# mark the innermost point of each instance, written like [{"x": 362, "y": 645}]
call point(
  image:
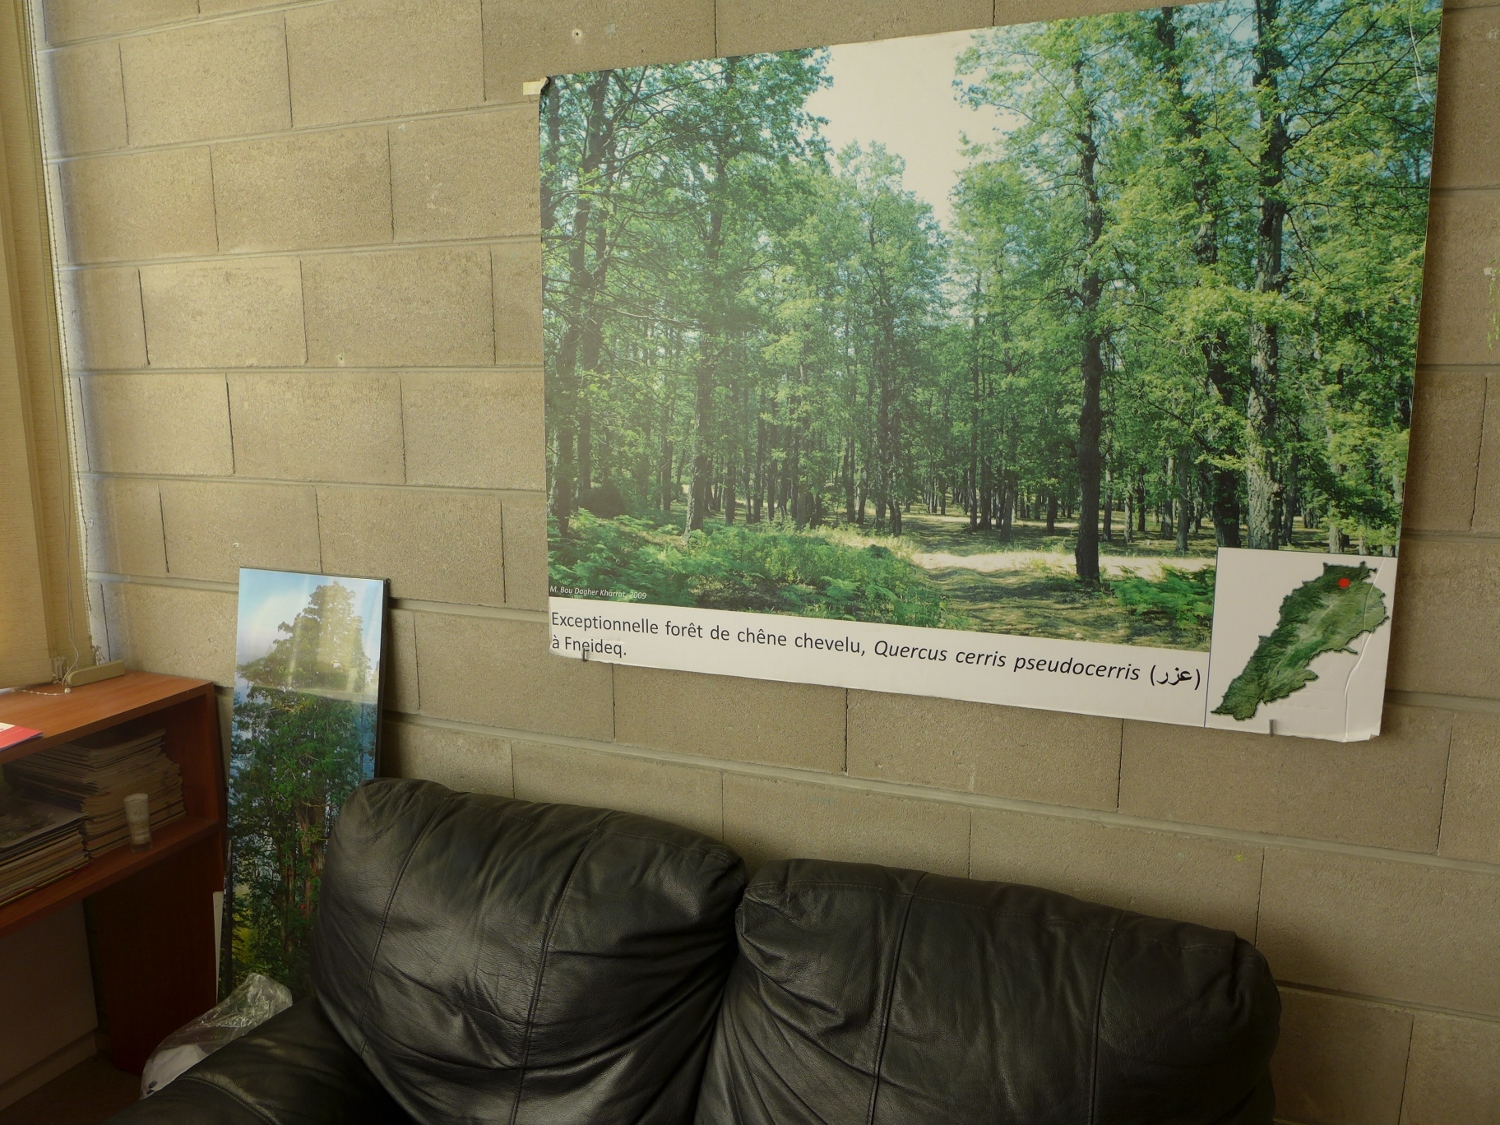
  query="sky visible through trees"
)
[{"x": 1160, "y": 296}]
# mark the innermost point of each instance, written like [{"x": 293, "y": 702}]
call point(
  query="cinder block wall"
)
[{"x": 301, "y": 270}]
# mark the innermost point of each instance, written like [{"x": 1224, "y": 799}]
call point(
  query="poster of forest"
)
[
  {"x": 1040, "y": 333},
  {"x": 304, "y": 733}
]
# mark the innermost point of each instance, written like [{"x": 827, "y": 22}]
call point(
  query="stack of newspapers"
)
[
  {"x": 38, "y": 843},
  {"x": 93, "y": 775}
]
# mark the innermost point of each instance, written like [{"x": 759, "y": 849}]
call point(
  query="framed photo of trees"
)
[
  {"x": 1064, "y": 365},
  {"x": 305, "y": 732}
]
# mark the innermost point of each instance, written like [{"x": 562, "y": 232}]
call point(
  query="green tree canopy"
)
[{"x": 323, "y": 647}]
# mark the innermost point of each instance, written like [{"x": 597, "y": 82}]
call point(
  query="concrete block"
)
[
  {"x": 1446, "y": 625},
  {"x": 88, "y": 98},
  {"x": 401, "y": 688},
  {"x": 433, "y": 545},
  {"x": 138, "y": 205},
  {"x": 465, "y": 761},
  {"x": 1386, "y": 793},
  {"x": 225, "y": 7},
  {"x": 1339, "y": 1061},
  {"x": 304, "y": 191},
  {"x": 979, "y": 748},
  {"x": 400, "y": 308},
  {"x": 1192, "y": 878},
  {"x": 1443, "y": 464},
  {"x": 77, "y": 19},
  {"x": 122, "y": 526},
  {"x": 157, "y": 423},
  {"x": 474, "y": 429},
  {"x": 749, "y": 26},
  {"x": 1409, "y": 932},
  {"x": 366, "y": 59},
  {"x": 1031, "y": 11},
  {"x": 213, "y": 528},
  {"x": 731, "y": 718},
  {"x": 525, "y": 41},
  {"x": 313, "y": 426},
  {"x": 224, "y": 314},
  {"x": 170, "y": 629},
  {"x": 207, "y": 80},
  {"x": 518, "y": 303},
  {"x": 1458, "y": 302},
  {"x": 103, "y": 325},
  {"x": 499, "y": 672},
  {"x": 473, "y": 176},
  {"x": 1466, "y": 147},
  {"x": 1471, "y": 809},
  {"x": 766, "y": 819},
  {"x": 1487, "y": 492},
  {"x": 567, "y": 775},
  {"x": 1453, "y": 1072},
  {"x": 526, "y": 550}
]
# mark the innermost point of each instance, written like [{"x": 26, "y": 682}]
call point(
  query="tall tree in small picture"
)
[{"x": 303, "y": 739}]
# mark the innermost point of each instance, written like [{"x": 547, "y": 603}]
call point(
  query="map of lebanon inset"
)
[{"x": 1324, "y": 614}]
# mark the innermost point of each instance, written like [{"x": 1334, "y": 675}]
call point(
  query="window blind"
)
[{"x": 42, "y": 608}]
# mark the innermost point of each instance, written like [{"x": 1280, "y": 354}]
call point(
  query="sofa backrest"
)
[
  {"x": 495, "y": 960},
  {"x": 865, "y": 994}
]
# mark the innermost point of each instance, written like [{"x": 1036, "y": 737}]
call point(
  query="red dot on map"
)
[{"x": 1343, "y": 583}]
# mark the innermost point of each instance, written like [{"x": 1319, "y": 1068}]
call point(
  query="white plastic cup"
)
[{"x": 138, "y": 817}]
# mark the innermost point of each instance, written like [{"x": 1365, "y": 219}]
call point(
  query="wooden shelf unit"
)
[{"x": 153, "y": 910}]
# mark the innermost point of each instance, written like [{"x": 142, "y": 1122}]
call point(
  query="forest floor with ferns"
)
[
  {"x": 938, "y": 573},
  {"x": 1026, "y": 585}
]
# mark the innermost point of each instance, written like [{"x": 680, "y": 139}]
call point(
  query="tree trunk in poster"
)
[
  {"x": 1265, "y": 343},
  {"x": 563, "y": 401},
  {"x": 1091, "y": 417}
]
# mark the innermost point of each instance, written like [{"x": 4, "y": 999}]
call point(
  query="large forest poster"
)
[{"x": 1064, "y": 365}]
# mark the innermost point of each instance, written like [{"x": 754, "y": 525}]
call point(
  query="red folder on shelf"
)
[{"x": 11, "y": 735}]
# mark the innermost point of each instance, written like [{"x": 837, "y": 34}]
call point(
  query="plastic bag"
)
[{"x": 244, "y": 1009}]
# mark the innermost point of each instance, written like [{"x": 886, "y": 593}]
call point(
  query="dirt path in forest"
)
[
  {"x": 1024, "y": 560},
  {"x": 940, "y": 531},
  {"x": 1030, "y": 588}
]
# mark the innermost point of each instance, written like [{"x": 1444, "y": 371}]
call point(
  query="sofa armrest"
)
[{"x": 292, "y": 1070}]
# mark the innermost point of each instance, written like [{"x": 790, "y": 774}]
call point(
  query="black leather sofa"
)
[{"x": 479, "y": 959}]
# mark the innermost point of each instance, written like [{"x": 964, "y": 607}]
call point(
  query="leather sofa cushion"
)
[
  {"x": 294, "y": 1069},
  {"x": 870, "y": 995},
  {"x": 496, "y": 960}
]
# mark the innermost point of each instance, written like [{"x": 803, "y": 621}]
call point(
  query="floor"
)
[{"x": 89, "y": 1094}]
